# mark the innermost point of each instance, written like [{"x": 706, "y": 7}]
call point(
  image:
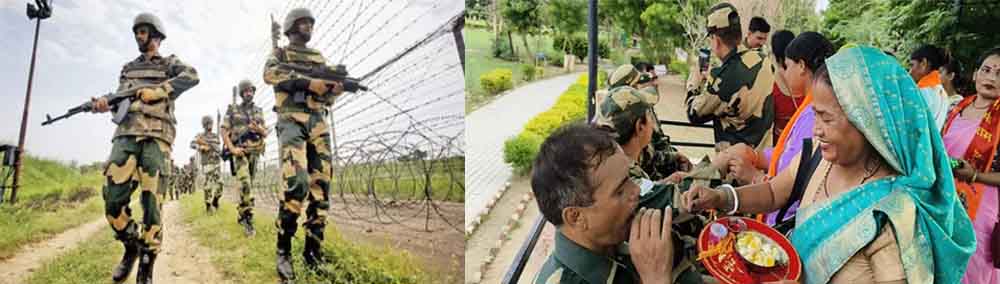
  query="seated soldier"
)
[
  {"x": 659, "y": 160},
  {"x": 605, "y": 232}
]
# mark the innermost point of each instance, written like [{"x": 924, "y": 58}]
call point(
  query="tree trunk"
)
[
  {"x": 510, "y": 40},
  {"x": 527, "y": 48}
]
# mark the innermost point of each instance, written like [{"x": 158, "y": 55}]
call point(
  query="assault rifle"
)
[{"x": 119, "y": 102}]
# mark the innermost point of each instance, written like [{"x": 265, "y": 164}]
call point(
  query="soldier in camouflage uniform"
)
[
  {"x": 302, "y": 104},
  {"x": 737, "y": 98},
  {"x": 628, "y": 113},
  {"x": 207, "y": 144},
  {"x": 659, "y": 159},
  {"x": 243, "y": 132},
  {"x": 187, "y": 184},
  {"x": 141, "y": 146}
]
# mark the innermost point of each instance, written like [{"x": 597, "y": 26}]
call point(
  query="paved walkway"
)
[{"x": 488, "y": 127}]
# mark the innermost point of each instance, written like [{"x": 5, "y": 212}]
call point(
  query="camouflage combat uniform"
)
[
  {"x": 304, "y": 147},
  {"x": 141, "y": 148},
  {"x": 737, "y": 97},
  {"x": 659, "y": 159},
  {"x": 625, "y": 104},
  {"x": 207, "y": 144},
  {"x": 237, "y": 124}
]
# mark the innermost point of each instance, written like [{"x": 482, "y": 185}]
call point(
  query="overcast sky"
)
[{"x": 85, "y": 43}]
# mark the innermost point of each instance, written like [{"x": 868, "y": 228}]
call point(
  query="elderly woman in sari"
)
[
  {"x": 881, "y": 206},
  {"x": 977, "y": 178}
]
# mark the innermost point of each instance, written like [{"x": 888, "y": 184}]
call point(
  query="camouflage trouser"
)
[
  {"x": 212, "y": 183},
  {"x": 135, "y": 162},
  {"x": 244, "y": 174},
  {"x": 304, "y": 140}
]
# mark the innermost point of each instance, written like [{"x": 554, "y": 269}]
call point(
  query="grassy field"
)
[
  {"x": 479, "y": 60},
  {"x": 53, "y": 198},
  {"x": 88, "y": 263},
  {"x": 252, "y": 260},
  {"x": 400, "y": 180}
]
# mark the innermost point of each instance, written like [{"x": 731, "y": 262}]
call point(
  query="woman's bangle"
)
[{"x": 736, "y": 198}]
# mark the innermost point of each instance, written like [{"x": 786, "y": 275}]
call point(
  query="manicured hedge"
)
[
  {"x": 497, "y": 81},
  {"x": 519, "y": 151}
]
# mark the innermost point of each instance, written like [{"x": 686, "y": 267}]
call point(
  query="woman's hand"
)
[
  {"x": 744, "y": 171},
  {"x": 701, "y": 198},
  {"x": 965, "y": 172}
]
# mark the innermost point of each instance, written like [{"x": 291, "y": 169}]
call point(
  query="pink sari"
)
[{"x": 980, "y": 269}]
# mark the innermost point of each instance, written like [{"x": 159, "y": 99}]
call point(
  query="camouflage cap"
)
[
  {"x": 625, "y": 75},
  {"x": 723, "y": 16},
  {"x": 295, "y": 15},
  {"x": 149, "y": 19},
  {"x": 206, "y": 120},
  {"x": 622, "y": 102},
  {"x": 246, "y": 84}
]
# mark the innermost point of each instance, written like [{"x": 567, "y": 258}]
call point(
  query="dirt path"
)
[
  {"x": 33, "y": 256},
  {"x": 183, "y": 260}
]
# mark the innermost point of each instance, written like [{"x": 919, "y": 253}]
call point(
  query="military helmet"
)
[
  {"x": 206, "y": 120},
  {"x": 149, "y": 19},
  {"x": 723, "y": 17},
  {"x": 295, "y": 15},
  {"x": 623, "y": 106},
  {"x": 624, "y": 75},
  {"x": 246, "y": 84}
]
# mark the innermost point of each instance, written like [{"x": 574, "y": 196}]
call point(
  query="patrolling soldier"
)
[
  {"x": 207, "y": 145},
  {"x": 141, "y": 146},
  {"x": 243, "y": 131},
  {"x": 302, "y": 103},
  {"x": 737, "y": 97}
]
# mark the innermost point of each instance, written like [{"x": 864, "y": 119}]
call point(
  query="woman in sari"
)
[
  {"x": 881, "y": 206},
  {"x": 803, "y": 57},
  {"x": 978, "y": 178}
]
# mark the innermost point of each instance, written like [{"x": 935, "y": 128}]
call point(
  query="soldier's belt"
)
[{"x": 286, "y": 109}]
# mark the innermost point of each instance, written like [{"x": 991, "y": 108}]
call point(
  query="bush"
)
[
  {"x": 501, "y": 48},
  {"x": 497, "y": 81},
  {"x": 539, "y": 72},
  {"x": 529, "y": 72},
  {"x": 520, "y": 151},
  {"x": 679, "y": 67},
  {"x": 577, "y": 45}
]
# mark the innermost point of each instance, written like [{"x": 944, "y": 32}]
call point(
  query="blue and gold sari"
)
[{"x": 933, "y": 232}]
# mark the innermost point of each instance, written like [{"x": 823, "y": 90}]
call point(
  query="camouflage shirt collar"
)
[
  {"x": 142, "y": 58},
  {"x": 590, "y": 266}
]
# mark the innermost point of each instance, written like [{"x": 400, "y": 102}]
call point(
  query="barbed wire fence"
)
[{"x": 398, "y": 148}]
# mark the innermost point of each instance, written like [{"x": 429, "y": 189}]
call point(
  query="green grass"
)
[
  {"x": 480, "y": 60},
  {"x": 91, "y": 262},
  {"x": 53, "y": 198},
  {"x": 252, "y": 260},
  {"x": 443, "y": 180}
]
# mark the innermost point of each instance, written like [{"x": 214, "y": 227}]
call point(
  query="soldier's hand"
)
[
  {"x": 100, "y": 104},
  {"x": 150, "y": 95},
  {"x": 236, "y": 151},
  {"x": 650, "y": 245},
  {"x": 701, "y": 198},
  {"x": 320, "y": 86},
  {"x": 336, "y": 88}
]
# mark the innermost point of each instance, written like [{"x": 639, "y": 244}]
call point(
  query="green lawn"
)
[
  {"x": 244, "y": 260},
  {"x": 53, "y": 198},
  {"x": 479, "y": 60}
]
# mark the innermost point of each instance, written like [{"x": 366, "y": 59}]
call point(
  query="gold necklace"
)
[{"x": 826, "y": 190}]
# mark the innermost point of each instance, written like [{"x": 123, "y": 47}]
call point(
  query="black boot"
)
[
  {"x": 312, "y": 252},
  {"x": 124, "y": 267},
  {"x": 208, "y": 208},
  {"x": 284, "y": 262},
  {"x": 146, "y": 262},
  {"x": 248, "y": 225},
  {"x": 215, "y": 203}
]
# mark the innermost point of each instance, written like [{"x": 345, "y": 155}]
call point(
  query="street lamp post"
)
[{"x": 42, "y": 11}]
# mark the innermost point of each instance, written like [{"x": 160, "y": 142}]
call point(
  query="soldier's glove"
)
[{"x": 151, "y": 95}]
